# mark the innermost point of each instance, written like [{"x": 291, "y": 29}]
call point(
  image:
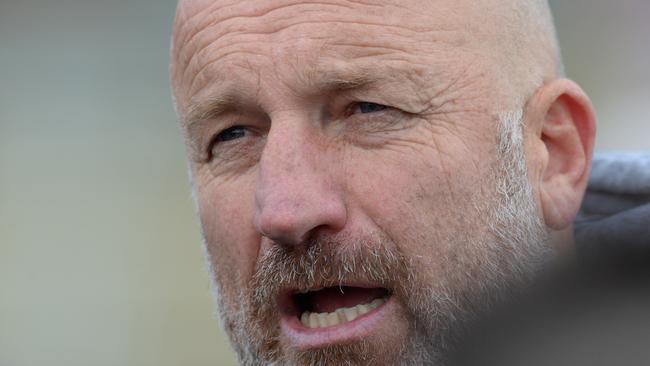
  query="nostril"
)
[
  {"x": 279, "y": 226},
  {"x": 293, "y": 227}
]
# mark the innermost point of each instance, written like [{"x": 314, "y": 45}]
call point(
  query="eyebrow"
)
[
  {"x": 337, "y": 81},
  {"x": 210, "y": 107}
]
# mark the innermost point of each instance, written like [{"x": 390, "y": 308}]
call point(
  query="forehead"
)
[
  {"x": 226, "y": 39},
  {"x": 276, "y": 15}
]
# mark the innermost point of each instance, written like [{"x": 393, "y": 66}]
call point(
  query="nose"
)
[{"x": 297, "y": 193}]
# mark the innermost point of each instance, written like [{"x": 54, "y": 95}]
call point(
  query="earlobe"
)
[{"x": 567, "y": 132}]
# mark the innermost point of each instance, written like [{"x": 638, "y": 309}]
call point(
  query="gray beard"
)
[{"x": 437, "y": 312}]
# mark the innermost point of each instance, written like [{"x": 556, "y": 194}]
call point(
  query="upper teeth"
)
[{"x": 340, "y": 316}]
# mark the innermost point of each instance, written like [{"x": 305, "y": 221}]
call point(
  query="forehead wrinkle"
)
[
  {"x": 337, "y": 77},
  {"x": 202, "y": 20},
  {"x": 259, "y": 13},
  {"x": 323, "y": 78},
  {"x": 196, "y": 56},
  {"x": 187, "y": 27},
  {"x": 203, "y": 69},
  {"x": 215, "y": 17},
  {"x": 279, "y": 22}
]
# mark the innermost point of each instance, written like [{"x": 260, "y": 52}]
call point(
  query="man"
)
[{"x": 371, "y": 174}]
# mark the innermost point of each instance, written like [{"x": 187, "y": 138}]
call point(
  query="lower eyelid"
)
[{"x": 237, "y": 146}]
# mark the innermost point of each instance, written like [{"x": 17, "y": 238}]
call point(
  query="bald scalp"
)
[
  {"x": 528, "y": 44},
  {"x": 518, "y": 35}
]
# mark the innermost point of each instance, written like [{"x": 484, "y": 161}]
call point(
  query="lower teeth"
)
[{"x": 340, "y": 316}]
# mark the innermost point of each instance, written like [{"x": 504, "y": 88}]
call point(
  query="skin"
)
[{"x": 308, "y": 161}]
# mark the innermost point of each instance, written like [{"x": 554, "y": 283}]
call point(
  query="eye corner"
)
[{"x": 199, "y": 156}]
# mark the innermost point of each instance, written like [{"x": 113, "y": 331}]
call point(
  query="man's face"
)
[{"x": 350, "y": 174}]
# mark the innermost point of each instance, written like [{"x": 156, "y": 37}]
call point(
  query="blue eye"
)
[
  {"x": 232, "y": 133},
  {"x": 367, "y": 107}
]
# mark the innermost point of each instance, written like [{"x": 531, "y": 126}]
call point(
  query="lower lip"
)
[{"x": 303, "y": 338}]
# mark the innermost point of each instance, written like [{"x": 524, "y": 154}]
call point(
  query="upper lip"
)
[
  {"x": 360, "y": 284},
  {"x": 286, "y": 302}
]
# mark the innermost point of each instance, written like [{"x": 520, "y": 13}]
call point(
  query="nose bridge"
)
[
  {"x": 296, "y": 191},
  {"x": 288, "y": 150}
]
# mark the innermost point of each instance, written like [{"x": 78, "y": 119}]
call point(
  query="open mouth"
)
[{"x": 333, "y": 306}]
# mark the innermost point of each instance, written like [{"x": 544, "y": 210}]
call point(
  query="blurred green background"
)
[{"x": 100, "y": 254}]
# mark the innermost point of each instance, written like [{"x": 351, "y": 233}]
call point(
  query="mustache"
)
[
  {"x": 321, "y": 262},
  {"x": 326, "y": 262},
  {"x": 335, "y": 261}
]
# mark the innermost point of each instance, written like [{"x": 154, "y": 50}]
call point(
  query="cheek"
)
[
  {"x": 426, "y": 200},
  {"x": 226, "y": 213}
]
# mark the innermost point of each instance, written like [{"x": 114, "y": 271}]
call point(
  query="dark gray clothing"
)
[{"x": 616, "y": 208}]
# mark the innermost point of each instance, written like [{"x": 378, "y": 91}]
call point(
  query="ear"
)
[{"x": 567, "y": 130}]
